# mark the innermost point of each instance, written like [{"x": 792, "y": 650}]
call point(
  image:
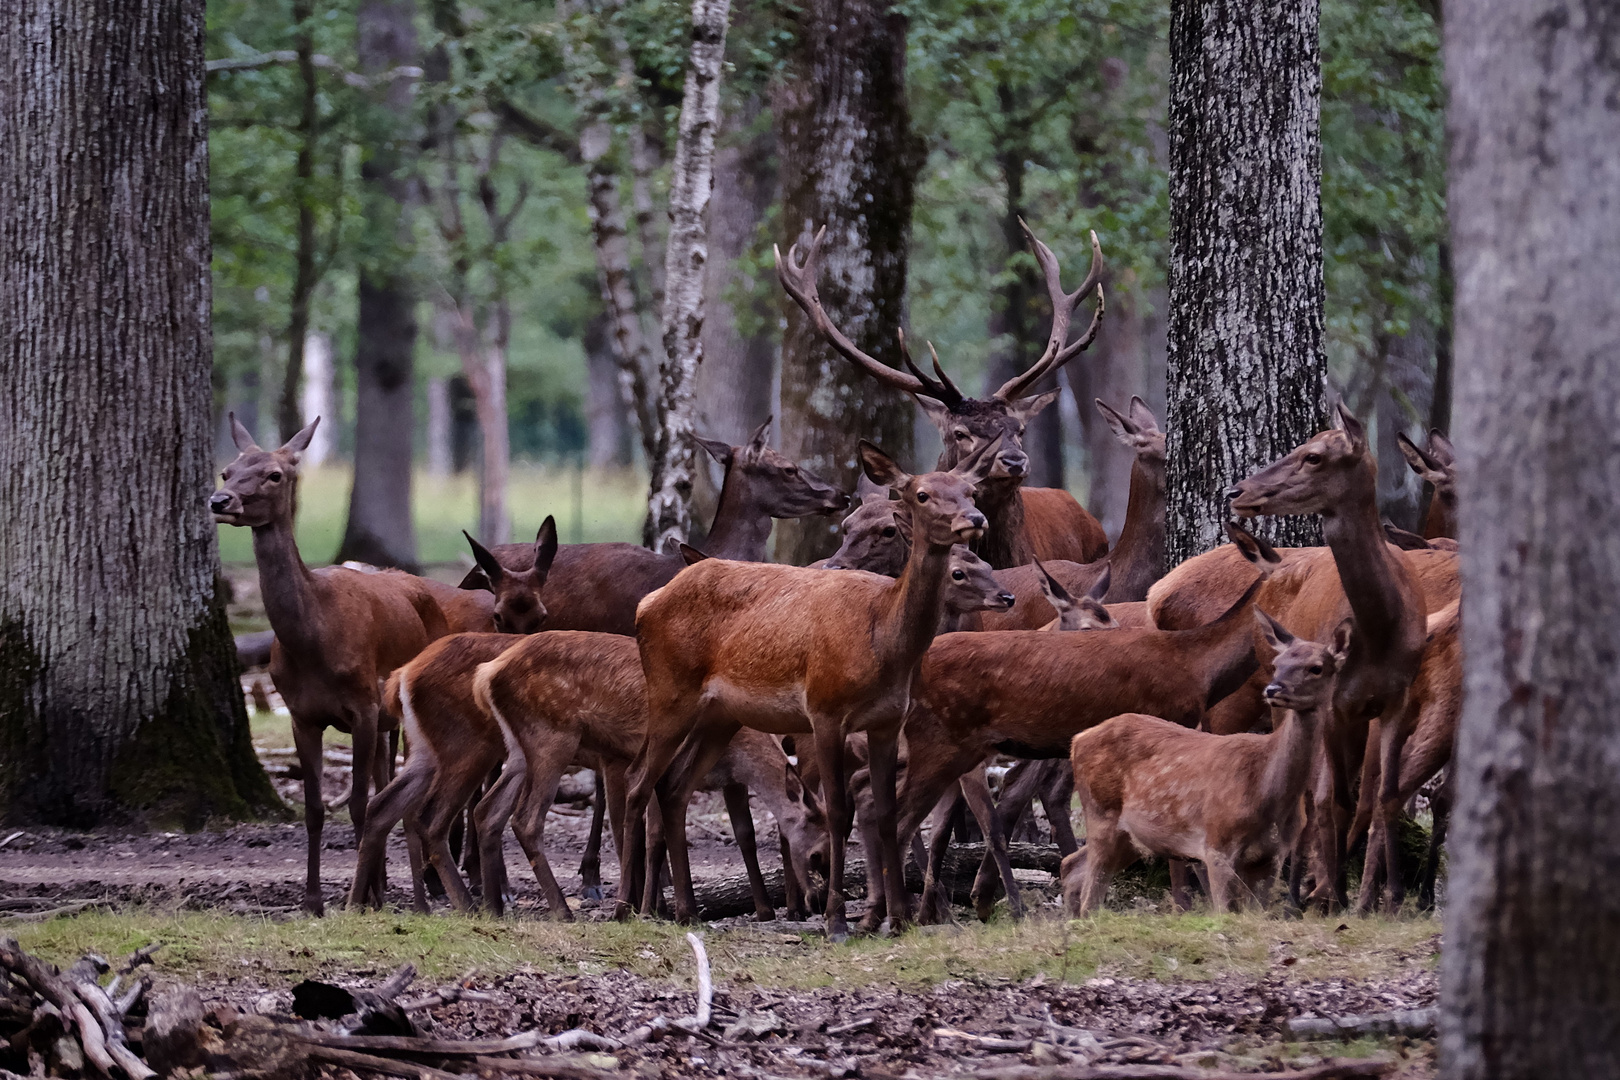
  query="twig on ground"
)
[
  {"x": 349, "y": 1059},
  {"x": 131, "y": 962},
  {"x": 992, "y": 1043},
  {"x": 12, "y": 837},
  {"x": 1402, "y": 1022},
  {"x": 1332, "y": 1070},
  {"x": 447, "y": 996},
  {"x": 559, "y": 1070},
  {"x": 50, "y": 913},
  {"x": 705, "y": 993},
  {"x": 853, "y": 1026}
]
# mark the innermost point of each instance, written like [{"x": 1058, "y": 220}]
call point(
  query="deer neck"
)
[
  {"x": 1137, "y": 559},
  {"x": 741, "y": 525},
  {"x": 918, "y": 603},
  {"x": 1005, "y": 543},
  {"x": 287, "y": 586},
  {"x": 1441, "y": 520},
  {"x": 1366, "y": 568},
  {"x": 1223, "y": 651},
  {"x": 1289, "y": 766}
]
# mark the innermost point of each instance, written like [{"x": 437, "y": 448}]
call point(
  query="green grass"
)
[
  {"x": 610, "y": 506},
  {"x": 1166, "y": 947}
]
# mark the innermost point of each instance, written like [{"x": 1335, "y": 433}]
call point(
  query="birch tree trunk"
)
[
  {"x": 1531, "y": 973},
  {"x": 848, "y": 162},
  {"x": 1246, "y": 294},
  {"x": 669, "y": 513},
  {"x": 380, "y": 529},
  {"x": 118, "y": 677}
]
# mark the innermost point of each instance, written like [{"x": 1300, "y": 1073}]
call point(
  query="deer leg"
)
[
  {"x": 492, "y": 813},
  {"x": 1105, "y": 853},
  {"x": 1180, "y": 893},
  {"x": 363, "y": 728},
  {"x": 445, "y": 804},
  {"x": 307, "y": 738},
  {"x": 529, "y": 824},
  {"x": 976, "y": 791},
  {"x": 936, "y": 901},
  {"x": 1056, "y": 795},
  {"x": 590, "y": 864},
  {"x": 1440, "y": 806},
  {"x": 651, "y": 762},
  {"x": 884, "y": 753},
  {"x": 418, "y": 864},
  {"x": 680, "y": 782},
  {"x": 1396, "y": 730},
  {"x": 742, "y": 827},
  {"x": 399, "y": 799},
  {"x": 794, "y": 902},
  {"x": 1072, "y": 877},
  {"x": 835, "y": 790},
  {"x": 1222, "y": 880},
  {"x": 877, "y": 909}
]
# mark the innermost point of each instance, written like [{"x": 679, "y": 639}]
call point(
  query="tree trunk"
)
[
  {"x": 319, "y": 396},
  {"x": 380, "y": 529},
  {"x": 289, "y": 417},
  {"x": 604, "y": 405},
  {"x": 1531, "y": 972},
  {"x": 1246, "y": 359},
  {"x": 669, "y": 514},
  {"x": 438, "y": 426},
  {"x": 1113, "y": 370},
  {"x": 118, "y": 677},
  {"x": 849, "y": 161}
]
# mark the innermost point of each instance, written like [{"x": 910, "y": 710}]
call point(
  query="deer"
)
[
  {"x": 569, "y": 696},
  {"x": 1047, "y": 522},
  {"x": 1438, "y": 467},
  {"x": 1027, "y": 693},
  {"x": 1233, "y": 802},
  {"x": 339, "y": 632},
  {"x": 793, "y": 650},
  {"x": 597, "y": 586},
  {"x": 1334, "y": 475}
]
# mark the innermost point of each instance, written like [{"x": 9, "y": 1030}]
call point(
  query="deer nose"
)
[
  {"x": 1273, "y": 690},
  {"x": 1014, "y": 461},
  {"x": 1233, "y": 492},
  {"x": 976, "y": 520},
  {"x": 220, "y": 502},
  {"x": 1007, "y": 599}
]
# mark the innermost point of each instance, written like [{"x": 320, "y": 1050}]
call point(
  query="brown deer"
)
[
  {"x": 519, "y": 606},
  {"x": 575, "y": 697},
  {"x": 1233, "y": 802},
  {"x": 597, "y": 586},
  {"x": 1425, "y": 750},
  {"x": 1438, "y": 466},
  {"x": 339, "y": 632},
  {"x": 794, "y": 650},
  {"x": 1024, "y": 522},
  {"x": 1028, "y": 693},
  {"x": 1334, "y": 476}
]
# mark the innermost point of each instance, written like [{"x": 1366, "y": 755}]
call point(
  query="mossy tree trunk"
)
[
  {"x": 1246, "y": 292},
  {"x": 118, "y": 681},
  {"x": 1530, "y": 981},
  {"x": 848, "y": 161}
]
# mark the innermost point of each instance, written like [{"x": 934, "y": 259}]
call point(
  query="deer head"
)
[
  {"x": 876, "y": 539},
  {"x": 259, "y": 486},
  {"x": 1314, "y": 478},
  {"x": 971, "y": 586},
  {"x": 966, "y": 425},
  {"x": 1437, "y": 464},
  {"x": 1303, "y": 671},
  {"x": 518, "y": 609},
  {"x": 940, "y": 503},
  {"x": 1085, "y": 613},
  {"x": 777, "y": 486}
]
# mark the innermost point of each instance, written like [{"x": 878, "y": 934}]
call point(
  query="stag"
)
[{"x": 1024, "y": 522}]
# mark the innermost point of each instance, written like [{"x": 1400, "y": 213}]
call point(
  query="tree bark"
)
[
  {"x": 1113, "y": 371},
  {"x": 1531, "y": 973},
  {"x": 289, "y": 417},
  {"x": 669, "y": 514},
  {"x": 380, "y": 529},
  {"x": 118, "y": 678},
  {"x": 849, "y": 162},
  {"x": 1246, "y": 292},
  {"x": 604, "y": 404}
]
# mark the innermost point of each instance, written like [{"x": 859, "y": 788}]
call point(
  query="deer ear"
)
[
  {"x": 1026, "y": 408},
  {"x": 1099, "y": 588},
  {"x": 880, "y": 468},
  {"x": 491, "y": 566},
  {"x": 1143, "y": 416},
  {"x": 1352, "y": 427},
  {"x": 1254, "y": 549},
  {"x": 1421, "y": 462},
  {"x": 692, "y": 554},
  {"x": 937, "y": 411},
  {"x": 1276, "y": 635},
  {"x": 300, "y": 442},
  {"x": 976, "y": 468},
  {"x": 1053, "y": 588},
  {"x": 1440, "y": 448},
  {"x": 761, "y": 436},
  {"x": 239, "y": 435},
  {"x": 545, "y": 546},
  {"x": 1123, "y": 429},
  {"x": 903, "y": 523},
  {"x": 720, "y": 451},
  {"x": 1406, "y": 541},
  {"x": 1341, "y": 640}
]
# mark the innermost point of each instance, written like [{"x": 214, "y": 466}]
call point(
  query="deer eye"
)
[
  {"x": 274, "y": 478},
  {"x": 1316, "y": 669},
  {"x": 957, "y": 575},
  {"x": 791, "y": 470},
  {"x": 1313, "y": 459},
  {"x": 922, "y": 496},
  {"x": 890, "y": 531}
]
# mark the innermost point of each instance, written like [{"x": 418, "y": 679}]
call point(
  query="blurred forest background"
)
[{"x": 434, "y": 161}]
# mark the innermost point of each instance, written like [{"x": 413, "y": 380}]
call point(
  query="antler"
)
[
  {"x": 799, "y": 279},
  {"x": 1063, "y": 304},
  {"x": 940, "y": 387}
]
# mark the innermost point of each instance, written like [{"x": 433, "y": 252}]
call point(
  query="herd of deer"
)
[{"x": 1225, "y": 713}]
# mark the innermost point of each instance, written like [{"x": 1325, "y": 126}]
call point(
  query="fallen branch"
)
[
  {"x": 1418, "y": 1022},
  {"x": 560, "y": 1070},
  {"x": 705, "y": 995},
  {"x": 853, "y": 1026},
  {"x": 82, "y": 978},
  {"x": 50, "y": 986},
  {"x": 1333, "y": 1070},
  {"x": 349, "y": 1059},
  {"x": 992, "y": 1043}
]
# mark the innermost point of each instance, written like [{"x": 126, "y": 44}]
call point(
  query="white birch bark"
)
[{"x": 686, "y": 255}]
